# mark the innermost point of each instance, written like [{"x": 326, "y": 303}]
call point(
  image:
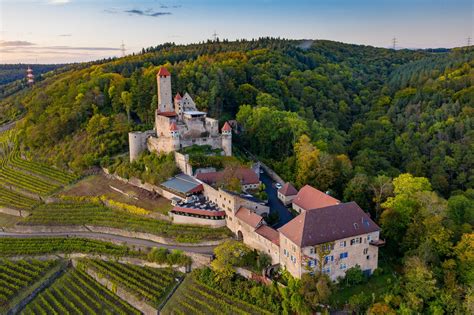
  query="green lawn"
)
[{"x": 7, "y": 220}]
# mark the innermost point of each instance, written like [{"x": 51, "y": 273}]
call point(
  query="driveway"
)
[
  {"x": 117, "y": 238},
  {"x": 274, "y": 203}
]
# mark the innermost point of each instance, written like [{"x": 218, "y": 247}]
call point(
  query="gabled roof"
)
[
  {"x": 311, "y": 198},
  {"x": 249, "y": 217},
  {"x": 245, "y": 175},
  {"x": 226, "y": 127},
  {"x": 328, "y": 224},
  {"x": 288, "y": 190},
  {"x": 177, "y": 96},
  {"x": 163, "y": 72},
  {"x": 269, "y": 233},
  {"x": 173, "y": 126}
]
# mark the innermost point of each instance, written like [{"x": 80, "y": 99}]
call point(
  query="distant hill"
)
[{"x": 376, "y": 110}]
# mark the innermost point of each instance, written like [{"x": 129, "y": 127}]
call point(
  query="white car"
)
[{"x": 278, "y": 185}]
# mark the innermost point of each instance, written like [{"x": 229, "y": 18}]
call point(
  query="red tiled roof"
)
[
  {"x": 173, "y": 126},
  {"x": 163, "y": 72},
  {"x": 311, "y": 198},
  {"x": 226, "y": 127},
  {"x": 249, "y": 217},
  {"x": 177, "y": 96},
  {"x": 167, "y": 114},
  {"x": 245, "y": 175},
  {"x": 199, "y": 211},
  {"x": 328, "y": 224},
  {"x": 269, "y": 233},
  {"x": 196, "y": 189},
  {"x": 288, "y": 190}
]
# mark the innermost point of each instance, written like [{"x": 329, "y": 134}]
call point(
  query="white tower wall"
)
[
  {"x": 227, "y": 143},
  {"x": 164, "y": 93}
]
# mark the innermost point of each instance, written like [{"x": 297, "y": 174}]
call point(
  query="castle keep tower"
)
[
  {"x": 163, "y": 79},
  {"x": 227, "y": 139},
  {"x": 174, "y": 133}
]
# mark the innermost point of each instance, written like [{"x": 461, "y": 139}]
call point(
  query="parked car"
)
[{"x": 278, "y": 185}]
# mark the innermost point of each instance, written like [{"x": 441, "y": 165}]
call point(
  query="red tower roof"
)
[
  {"x": 163, "y": 72},
  {"x": 226, "y": 127},
  {"x": 178, "y": 96},
  {"x": 173, "y": 126}
]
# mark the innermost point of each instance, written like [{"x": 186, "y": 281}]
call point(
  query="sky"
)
[{"x": 60, "y": 31}]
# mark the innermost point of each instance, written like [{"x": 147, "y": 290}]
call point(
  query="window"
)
[
  {"x": 343, "y": 255},
  {"x": 342, "y": 244},
  {"x": 369, "y": 237},
  {"x": 311, "y": 250},
  {"x": 284, "y": 252},
  {"x": 293, "y": 259},
  {"x": 327, "y": 270},
  {"x": 368, "y": 257},
  {"x": 311, "y": 263},
  {"x": 293, "y": 248},
  {"x": 343, "y": 266},
  {"x": 366, "y": 250},
  {"x": 328, "y": 247},
  {"x": 328, "y": 259}
]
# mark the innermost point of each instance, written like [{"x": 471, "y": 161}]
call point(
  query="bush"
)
[
  {"x": 164, "y": 256},
  {"x": 354, "y": 276}
]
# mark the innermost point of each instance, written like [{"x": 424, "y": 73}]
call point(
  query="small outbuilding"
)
[{"x": 287, "y": 193}]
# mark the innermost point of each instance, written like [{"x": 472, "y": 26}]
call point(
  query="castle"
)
[{"x": 178, "y": 124}]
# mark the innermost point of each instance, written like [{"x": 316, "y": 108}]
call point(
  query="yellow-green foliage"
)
[{"x": 123, "y": 206}]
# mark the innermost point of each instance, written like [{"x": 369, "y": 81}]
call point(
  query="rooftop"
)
[
  {"x": 311, "y": 198},
  {"x": 269, "y": 233},
  {"x": 249, "y": 217},
  {"x": 245, "y": 175},
  {"x": 194, "y": 113},
  {"x": 328, "y": 224},
  {"x": 288, "y": 190},
  {"x": 163, "y": 72},
  {"x": 167, "y": 114},
  {"x": 183, "y": 184}
]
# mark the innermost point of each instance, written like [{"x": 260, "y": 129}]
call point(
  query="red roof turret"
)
[
  {"x": 226, "y": 127},
  {"x": 163, "y": 72},
  {"x": 173, "y": 126},
  {"x": 178, "y": 96}
]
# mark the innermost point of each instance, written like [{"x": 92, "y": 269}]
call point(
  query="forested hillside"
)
[
  {"x": 366, "y": 110},
  {"x": 12, "y": 76},
  {"x": 391, "y": 130}
]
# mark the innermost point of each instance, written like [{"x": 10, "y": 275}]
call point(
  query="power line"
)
[
  {"x": 394, "y": 43},
  {"x": 122, "y": 48},
  {"x": 214, "y": 36}
]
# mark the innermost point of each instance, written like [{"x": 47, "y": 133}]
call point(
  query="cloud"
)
[
  {"x": 148, "y": 12},
  {"x": 65, "y": 35},
  {"x": 15, "y": 43},
  {"x": 24, "y": 48},
  {"x": 80, "y": 48}
]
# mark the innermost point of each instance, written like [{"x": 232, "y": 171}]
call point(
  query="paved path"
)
[
  {"x": 117, "y": 238},
  {"x": 8, "y": 126},
  {"x": 273, "y": 202}
]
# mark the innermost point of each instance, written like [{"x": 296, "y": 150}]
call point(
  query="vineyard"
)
[
  {"x": 77, "y": 293},
  {"x": 150, "y": 284},
  {"x": 23, "y": 177},
  {"x": 18, "y": 276},
  {"x": 192, "y": 297},
  {"x": 81, "y": 213},
  {"x": 52, "y": 245}
]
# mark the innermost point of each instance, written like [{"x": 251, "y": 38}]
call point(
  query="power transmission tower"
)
[
  {"x": 394, "y": 43},
  {"x": 122, "y": 48},
  {"x": 469, "y": 41},
  {"x": 214, "y": 36}
]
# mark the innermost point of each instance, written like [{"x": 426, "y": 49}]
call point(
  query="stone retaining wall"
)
[
  {"x": 183, "y": 219},
  {"x": 14, "y": 212}
]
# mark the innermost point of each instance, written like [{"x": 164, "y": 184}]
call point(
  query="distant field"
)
[
  {"x": 77, "y": 293},
  {"x": 194, "y": 298}
]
